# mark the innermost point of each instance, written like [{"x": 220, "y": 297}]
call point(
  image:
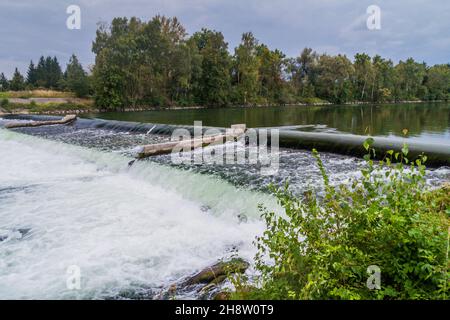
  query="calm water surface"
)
[{"x": 424, "y": 121}]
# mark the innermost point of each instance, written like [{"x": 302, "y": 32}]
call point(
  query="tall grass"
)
[{"x": 38, "y": 93}]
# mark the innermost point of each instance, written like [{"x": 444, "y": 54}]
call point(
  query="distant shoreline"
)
[{"x": 84, "y": 110}]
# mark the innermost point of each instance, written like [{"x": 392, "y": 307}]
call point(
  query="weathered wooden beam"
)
[
  {"x": 167, "y": 147},
  {"x": 238, "y": 129},
  {"x": 67, "y": 119}
]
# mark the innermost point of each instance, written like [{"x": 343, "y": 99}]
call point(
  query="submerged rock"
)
[
  {"x": 222, "y": 295},
  {"x": 208, "y": 282},
  {"x": 15, "y": 234},
  {"x": 218, "y": 272},
  {"x": 205, "y": 208},
  {"x": 138, "y": 292},
  {"x": 242, "y": 218},
  {"x": 24, "y": 231}
]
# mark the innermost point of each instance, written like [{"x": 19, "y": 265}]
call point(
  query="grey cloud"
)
[{"x": 415, "y": 28}]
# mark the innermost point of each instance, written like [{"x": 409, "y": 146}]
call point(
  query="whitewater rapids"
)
[{"x": 134, "y": 229}]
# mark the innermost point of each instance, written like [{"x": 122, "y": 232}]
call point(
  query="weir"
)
[
  {"x": 114, "y": 125},
  {"x": 350, "y": 144},
  {"x": 67, "y": 119},
  {"x": 235, "y": 131},
  {"x": 347, "y": 144}
]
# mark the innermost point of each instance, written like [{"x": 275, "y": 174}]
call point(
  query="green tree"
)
[
  {"x": 437, "y": 81},
  {"x": 31, "y": 74},
  {"x": 40, "y": 72},
  {"x": 4, "y": 83},
  {"x": 409, "y": 80},
  {"x": 302, "y": 71},
  {"x": 48, "y": 73},
  {"x": 75, "y": 78},
  {"x": 54, "y": 73},
  {"x": 143, "y": 63},
  {"x": 154, "y": 63},
  {"x": 246, "y": 70},
  {"x": 196, "y": 71},
  {"x": 364, "y": 76},
  {"x": 271, "y": 67},
  {"x": 333, "y": 81},
  {"x": 383, "y": 79},
  {"x": 214, "y": 84},
  {"x": 119, "y": 64},
  {"x": 174, "y": 59},
  {"x": 17, "y": 82}
]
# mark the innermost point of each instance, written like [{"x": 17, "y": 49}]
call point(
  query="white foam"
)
[{"x": 125, "y": 228}]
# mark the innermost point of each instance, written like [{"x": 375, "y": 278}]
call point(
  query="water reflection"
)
[{"x": 424, "y": 121}]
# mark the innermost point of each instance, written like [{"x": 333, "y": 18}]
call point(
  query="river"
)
[
  {"x": 69, "y": 198},
  {"x": 424, "y": 121}
]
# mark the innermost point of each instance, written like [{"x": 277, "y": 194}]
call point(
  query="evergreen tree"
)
[
  {"x": 76, "y": 78},
  {"x": 48, "y": 69},
  {"x": 48, "y": 73},
  {"x": 17, "y": 82},
  {"x": 41, "y": 73},
  {"x": 31, "y": 74},
  {"x": 54, "y": 73},
  {"x": 4, "y": 83}
]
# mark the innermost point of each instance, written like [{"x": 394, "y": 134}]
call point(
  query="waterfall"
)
[{"x": 135, "y": 229}]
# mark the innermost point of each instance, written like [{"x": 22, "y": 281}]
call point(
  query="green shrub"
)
[
  {"x": 4, "y": 103},
  {"x": 313, "y": 101},
  {"x": 323, "y": 245}
]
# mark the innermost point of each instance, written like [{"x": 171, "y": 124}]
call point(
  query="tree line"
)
[
  {"x": 156, "y": 63},
  {"x": 48, "y": 74}
]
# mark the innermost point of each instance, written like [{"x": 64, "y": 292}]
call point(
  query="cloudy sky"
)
[{"x": 417, "y": 28}]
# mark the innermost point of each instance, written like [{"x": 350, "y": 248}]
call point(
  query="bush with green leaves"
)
[
  {"x": 323, "y": 244},
  {"x": 4, "y": 103}
]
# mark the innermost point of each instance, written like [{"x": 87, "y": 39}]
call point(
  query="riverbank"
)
[
  {"x": 43, "y": 102},
  {"x": 49, "y": 106}
]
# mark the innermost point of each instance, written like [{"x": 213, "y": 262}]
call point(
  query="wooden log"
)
[
  {"x": 167, "y": 147},
  {"x": 238, "y": 129},
  {"x": 67, "y": 119}
]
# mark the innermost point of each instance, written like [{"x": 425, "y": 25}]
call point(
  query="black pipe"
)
[
  {"x": 114, "y": 125},
  {"x": 350, "y": 144}
]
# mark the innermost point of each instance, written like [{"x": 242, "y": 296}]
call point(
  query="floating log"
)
[
  {"x": 167, "y": 147},
  {"x": 67, "y": 119}
]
